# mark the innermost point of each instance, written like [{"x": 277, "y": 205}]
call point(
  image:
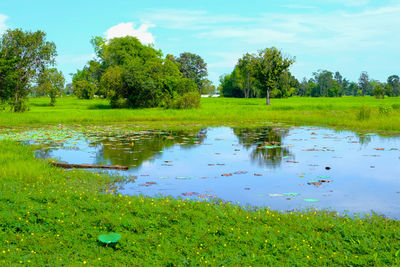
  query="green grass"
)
[
  {"x": 50, "y": 216},
  {"x": 334, "y": 112}
]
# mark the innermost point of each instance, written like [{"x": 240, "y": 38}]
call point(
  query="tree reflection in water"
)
[{"x": 265, "y": 144}]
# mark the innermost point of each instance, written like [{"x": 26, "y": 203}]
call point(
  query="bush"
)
[
  {"x": 364, "y": 113},
  {"x": 186, "y": 101},
  {"x": 385, "y": 110},
  {"x": 396, "y": 106}
]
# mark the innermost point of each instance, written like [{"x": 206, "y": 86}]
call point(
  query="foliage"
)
[
  {"x": 269, "y": 66},
  {"x": 51, "y": 82},
  {"x": 47, "y": 210},
  {"x": 188, "y": 100},
  {"x": 378, "y": 91},
  {"x": 364, "y": 113},
  {"x": 192, "y": 66},
  {"x": 23, "y": 56},
  {"x": 131, "y": 74},
  {"x": 364, "y": 84},
  {"x": 385, "y": 110}
]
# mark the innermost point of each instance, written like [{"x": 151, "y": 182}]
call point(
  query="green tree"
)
[
  {"x": 192, "y": 66},
  {"x": 23, "y": 56},
  {"x": 364, "y": 84},
  {"x": 246, "y": 67},
  {"x": 51, "y": 82},
  {"x": 394, "y": 82},
  {"x": 269, "y": 66},
  {"x": 379, "y": 90}
]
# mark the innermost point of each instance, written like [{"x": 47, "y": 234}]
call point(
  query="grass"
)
[
  {"x": 50, "y": 216},
  {"x": 333, "y": 112}
]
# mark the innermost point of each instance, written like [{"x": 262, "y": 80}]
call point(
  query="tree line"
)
[
  {"x": 245, "y": 81},
  {"x": 134, "y": 75}
]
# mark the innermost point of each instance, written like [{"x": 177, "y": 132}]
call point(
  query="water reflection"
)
[
  {"x": 266, "y": 144},
  {"x": 268, "y": 166}
]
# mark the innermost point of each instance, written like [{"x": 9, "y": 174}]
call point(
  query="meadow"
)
[
  {"x": 50, "y": 216},
  {"x": 355, "y": 113}
]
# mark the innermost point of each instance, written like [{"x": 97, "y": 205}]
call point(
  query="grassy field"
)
[
  {"x": 50, "y": 216},
  {"x": 381, "y": 115}
]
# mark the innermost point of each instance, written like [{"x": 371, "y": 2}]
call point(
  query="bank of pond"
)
[{"x": 211, "y": 195}]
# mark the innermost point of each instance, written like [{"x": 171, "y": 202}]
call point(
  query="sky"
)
[{"x": 349, "y": 36}]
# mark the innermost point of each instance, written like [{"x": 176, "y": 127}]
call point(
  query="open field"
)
[
  {"x": 52, "y": 216},
  {"x": 334, "y": 112}
]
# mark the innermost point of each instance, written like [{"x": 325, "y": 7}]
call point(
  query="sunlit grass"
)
[
  {"x": 50, "y": 216},
  {"x": 335, "y": 112}
]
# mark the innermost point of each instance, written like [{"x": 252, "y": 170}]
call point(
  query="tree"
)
[
  {"x": 23, "y": 56},
  {"x": 246, "y": 67},
  {"x": 364, "y": 84},
  {"x": 394, "y": 82},
  {"x": 192, "y": 66},
  {"x": 269, "y": 65},
  {"x": 51, "y": 82},
  {"x": 379, "y": 90}
]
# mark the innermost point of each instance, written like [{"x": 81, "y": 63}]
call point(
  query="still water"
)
[{"x": 277, "y": 167}]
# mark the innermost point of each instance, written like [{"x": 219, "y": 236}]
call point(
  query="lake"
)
[{"x": 284, "y": 168}]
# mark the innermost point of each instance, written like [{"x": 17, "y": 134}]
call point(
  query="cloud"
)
[
  {"x": 3, "y": 25},
  {"x": 75, "y": 59},
  {"x": 188, "y": 19},
  {"x": 128, "y": 29}
]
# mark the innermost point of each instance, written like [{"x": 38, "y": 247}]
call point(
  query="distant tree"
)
[
  {"x": 83, "y": 84},
  {"x": 353, "y": 89},
  {"x": 364, "y": 84},
  {"x": 192, "y": 66},
  {"x": 326, "y": 84},
  {"x": 51, "y": 82},
  {"x": 287, "y": 86},
  {"x": 230, "y": 84},
  {"x": 68, "y": 90},
  {"x": 23, "y": 56},
  {"x": 394, "y": 82},
  {"x": 269, "y": 66},
  {"x": 208, "y": 87},
  {"x": 378, "y": 90},
  {"x": 246, "y": 67}
]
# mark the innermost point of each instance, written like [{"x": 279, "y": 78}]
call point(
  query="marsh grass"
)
[
  {"x": 50, "y": 216},
  {"x": 341, "y": 112}
]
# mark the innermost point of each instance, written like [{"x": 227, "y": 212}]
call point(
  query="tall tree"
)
[
  {"x": 192, "y": 66},
  {"x": 51, "y": 82},
  {"x": 246, "y": 67},
  {"x": 23, "y": 56},
  {"x": 364, "y": 84},
  {"x": 394, "y": 82},
  {"x": 269, "y": 66}
]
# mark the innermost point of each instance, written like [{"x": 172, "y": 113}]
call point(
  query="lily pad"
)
[
  {"x": 291, "y": 194},
  {"x": 276, "y": 195},
  {"x": 310, "y": 200},
  {"x": 110, "y": 238}
]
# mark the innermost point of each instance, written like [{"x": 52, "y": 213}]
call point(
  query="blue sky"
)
[{"x": 345, "y": 35}]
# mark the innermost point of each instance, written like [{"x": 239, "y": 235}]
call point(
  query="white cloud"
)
[
  {"x": 74, "y": 59},
  {"x": 128, "y": 29},
  {"x": 189, "y": 19},
  {"x": 3, "y": 25}
]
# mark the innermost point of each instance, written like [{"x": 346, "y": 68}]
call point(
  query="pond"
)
[{"x": 284, "y": 168}]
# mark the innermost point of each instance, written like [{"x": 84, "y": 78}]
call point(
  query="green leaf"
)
[
  {"x": 310, "y": 200},
  {"x": 110, "y": 238}
]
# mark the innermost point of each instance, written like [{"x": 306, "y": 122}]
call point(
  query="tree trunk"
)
[{"x": 268, "y": 101}]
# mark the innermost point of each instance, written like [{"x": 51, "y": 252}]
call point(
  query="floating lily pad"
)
[
  {"x": 291, "y": 194},
  {"x": 310, "y": 200},
  {"x": 110, "y": 238},
  {"x": 276, "y": 195}
]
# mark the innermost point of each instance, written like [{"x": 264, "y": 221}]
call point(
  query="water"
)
[{"x": 259, "y": 167}]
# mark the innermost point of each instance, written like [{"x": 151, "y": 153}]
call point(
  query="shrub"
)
[
  {"x": 186, "y": 101},
  {"x": 385, "y": 110},
  {"x": 364, "y": 113},
  {"x": 396, "y": 106}
]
